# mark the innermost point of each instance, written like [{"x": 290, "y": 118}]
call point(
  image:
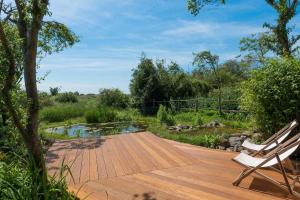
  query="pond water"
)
[{"x": 96, "y": 130}]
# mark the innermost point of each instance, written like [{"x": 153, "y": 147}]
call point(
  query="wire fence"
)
[{"x": 196, "y": 104}]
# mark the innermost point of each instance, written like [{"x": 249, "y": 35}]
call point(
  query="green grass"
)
[
  {"x": 16, "y": 182},
  {"x": 206, "y": 140},
  {"x": 56, "y": 136},
  {"x": 62, "y": 112}
]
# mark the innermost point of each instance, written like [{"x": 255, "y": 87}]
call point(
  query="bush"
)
[
  {"x": 92, "y": 116},
  {"x": 62, "y": 112},
  {"x": 198, "y": 120},
  {"x": 54, "y": 91},
  {"x": 164, "y": 117},
  {"x": 272, "y": 94},
  {"x": 16, "y": 182},
  {"x": 67, "y": 97},
  {"x": 107, "y": 114},
  {"x": 114, "y": 98}
]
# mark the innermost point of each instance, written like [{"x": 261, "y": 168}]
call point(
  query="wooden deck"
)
[{"x": 142, "y": 166}]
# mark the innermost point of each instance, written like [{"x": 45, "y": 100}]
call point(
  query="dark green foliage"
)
[
  {"x": 164, "y": 117},
  {"x": 62, "y": 112},
  {"x": 54, "y": 91},
  {"x": 67, "y": 97},
  {"x": 107, "y": 114},
  {"x": 194, "y": 6},
  {"x": 92, "y": 116},
  {"x": 152, "y": 83},
  {"x": 114, "y": 98},
  {"x": 145, "y": 86},
  {"x": 101, "y": 114},
  {"x": 55, "y": 37},
  {"x": 272, "y": 94}
]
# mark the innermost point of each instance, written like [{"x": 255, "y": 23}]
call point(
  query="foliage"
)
[
  {"x": 152, "y": 84},
  {"x": 145, "y": 86},
  {"x": 272, "y": 94},
  {"x": 55, "y": 37},
  {"x": 194, "y": 6},
  {"x": 54, "y": 91},
  {"x": 257, "y": 46},
  {"x": 284, "y": 43},
  {"x": 62, "y": 112},
  {"x": 107, "y": 114},
  {"x": 199, "y": 120},
  {"x": 67, "y": 97},
  {"x": 114, "y": 98},
  {"x": 206, "y": 140},
  {"x": 45, "y": 100},
  {"x": 164, "y": 117},
  {"x": 92, "y": 116},
  {"x": 16, "y": 183}
]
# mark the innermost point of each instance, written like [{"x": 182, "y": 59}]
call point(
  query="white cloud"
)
[{"x": 211, "y": 29}]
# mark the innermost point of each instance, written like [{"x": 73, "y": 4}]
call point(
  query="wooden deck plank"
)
[
  {"x": 143, "y": 166},
  {"x": 76, "y": 168},
  {"x": 107, "y": 156},
  {"x": 146, "y": 164},
  {"x": 131, "y": 161},
  {"x": 93, "y": 164}
]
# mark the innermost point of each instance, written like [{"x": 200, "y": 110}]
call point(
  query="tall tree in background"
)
[
  {"x": 282, "y": 42},
  {"x": 207, "y": 63},
  {"x": 24, "y": 36}
]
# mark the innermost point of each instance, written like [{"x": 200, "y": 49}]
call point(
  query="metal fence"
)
[{"x": 196, "y": 104}]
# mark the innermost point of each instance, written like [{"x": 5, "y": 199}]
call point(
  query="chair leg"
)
[
  {"x": 238, "y": 180},
  {"x": 284, "y": 175}
]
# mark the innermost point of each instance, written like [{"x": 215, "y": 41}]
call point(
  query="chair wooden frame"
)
[
  {"x": 293, "y": 142},
  {"x": 274, "y": 138}
]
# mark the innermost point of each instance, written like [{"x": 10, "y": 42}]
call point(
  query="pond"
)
[{"x": 97, "y": 130}]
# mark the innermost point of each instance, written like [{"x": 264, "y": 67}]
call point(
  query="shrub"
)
[
  {"x": 272, "y": 94},
  {"x": 113, "y": 98},
  {"x": 164, "y": 117},
  {"x": 92, "y": 116},
  {"x": 67, "y": 97},
  {"x": 54, "y": 91},
  {"x": 107, "y": 114},
  {"x": 62, "y": 112},
  {"x": 198, "y": 120},
  {"x": 16, "y": 182}
]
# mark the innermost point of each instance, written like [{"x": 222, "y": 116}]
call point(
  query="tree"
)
[
  {"x": 284, "y": 43},
  {"x": 258, "y": 46},
  {"x": 207, "y": 63},
  {"x": 54, "y": 91},
  {"x": 145, "y": 86},
  {"x": 194, "y": 6},
  {"x": 113, "y": 98},
  {"x": 24, "y": 36}
]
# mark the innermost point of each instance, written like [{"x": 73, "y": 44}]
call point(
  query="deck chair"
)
[
  {"x": 272, "y": 142},
  {"x": 270, "y": 161}
]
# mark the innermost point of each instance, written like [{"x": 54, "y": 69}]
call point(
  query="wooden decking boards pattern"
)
[{"x": 142, "y": 166}]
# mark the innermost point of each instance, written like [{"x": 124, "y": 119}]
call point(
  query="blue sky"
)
[{"x": 113, "y": 34}]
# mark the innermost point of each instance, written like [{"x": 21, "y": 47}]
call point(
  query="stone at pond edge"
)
[
  {"x": 213, "y": 124},
  {"x": 225, "y": 143},
  {"x": 257, "y": 136}
]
